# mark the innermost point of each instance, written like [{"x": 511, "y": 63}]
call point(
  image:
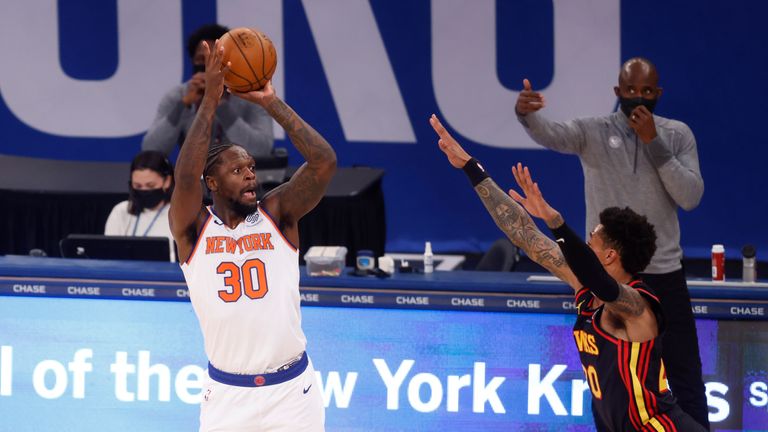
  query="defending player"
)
[
  {"x": 241, "y": 264},
  {"x": 619, "y": 318}
]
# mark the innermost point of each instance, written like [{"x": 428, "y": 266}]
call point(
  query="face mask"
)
[
  {"x": 147, "y": 199},
  {"x": 629, "y": 104},
  {"x": 197, "y": 68}
]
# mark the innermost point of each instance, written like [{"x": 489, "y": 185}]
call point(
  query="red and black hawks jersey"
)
[{"x": 627, "y": 379}]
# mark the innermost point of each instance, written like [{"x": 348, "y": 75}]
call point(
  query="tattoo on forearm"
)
[
  {"x": 308, "y": 184},
  {"x": 482, "y": 190},
  {"x": 280, "y": 111},
  {"x": 517, "y": 224},
  {"x": 556, "y": 221},
  {"x": 193, "y": 153},
  {"x": 200, "y": 130},
  {"x": 307, "y": 141}
]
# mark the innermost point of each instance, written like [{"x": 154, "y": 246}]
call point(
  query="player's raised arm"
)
[
  {"x": 510, "y": 217},
  {"x": 307, "y": 186},
  {"x": 292, "y": 200},
  {"x": 621, "y": 299},
  {"x": 186, "y": 213}
]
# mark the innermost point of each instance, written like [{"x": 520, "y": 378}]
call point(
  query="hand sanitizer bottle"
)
[{"x": 429, "y": 264}]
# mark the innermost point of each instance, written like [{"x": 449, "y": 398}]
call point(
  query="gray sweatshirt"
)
[
  {"x": 620, "y": 170},
  {"x": 237, "y": 121}
]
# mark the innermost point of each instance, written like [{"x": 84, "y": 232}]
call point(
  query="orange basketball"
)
[{"x": 252, "y": 56}]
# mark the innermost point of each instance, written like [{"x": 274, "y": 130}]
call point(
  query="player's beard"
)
[{"x": 243, "y": 209}]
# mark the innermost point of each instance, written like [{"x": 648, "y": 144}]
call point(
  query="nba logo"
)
[{"x": 252, "y": 219}]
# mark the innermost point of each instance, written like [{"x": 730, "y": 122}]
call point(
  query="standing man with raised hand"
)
[
  {"x": 650, "y": 163},
  {"x": 241, "y": 263},
  {"x": 619, "y": 322}
]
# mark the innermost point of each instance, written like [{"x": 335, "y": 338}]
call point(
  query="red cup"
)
[{"x": 718, "y": 262}]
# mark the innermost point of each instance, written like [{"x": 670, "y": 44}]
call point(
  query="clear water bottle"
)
[
  {"x": 749, "y": 273},
  {"x": 429, "y": 259}
]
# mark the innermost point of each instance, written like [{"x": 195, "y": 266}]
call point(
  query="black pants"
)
[
  {"x": 680, "y": 349},
  {"x": 682, "y": 421},
  {"x": 680, "y": 346}
]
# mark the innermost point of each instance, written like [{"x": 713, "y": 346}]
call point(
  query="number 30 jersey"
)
[
  {"x": 627, "y": 379},
  {"x": 244, "y": 287}
]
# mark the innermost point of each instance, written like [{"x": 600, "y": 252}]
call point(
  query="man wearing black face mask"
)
[
  {"x": 236, "y": 121},
  {"x": 649, "y": 163}
]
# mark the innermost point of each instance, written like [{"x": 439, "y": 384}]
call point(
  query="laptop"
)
[{"x": 95, "y": 246}]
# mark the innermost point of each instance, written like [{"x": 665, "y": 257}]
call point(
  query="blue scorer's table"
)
[
  {"x": 82, "y": 348},
  {"x": 456, "y": 290}
]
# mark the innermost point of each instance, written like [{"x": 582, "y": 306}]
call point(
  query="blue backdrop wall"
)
[{"x": 82, "y": 79}]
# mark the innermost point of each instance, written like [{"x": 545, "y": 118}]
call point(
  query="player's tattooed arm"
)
[
  {"x": 517, "y": 224},
  {"x": 186, "y": 213},
  {"x": 509, "y": 216},
  {"x": 191, "y": 161},
  {"x": 307, "y": 186}
]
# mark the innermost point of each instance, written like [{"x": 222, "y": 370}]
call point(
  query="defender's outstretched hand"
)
[
  {"x": 456, "y": 155},
  {"x": 260, "y": 97},
  {"x": 532, "y": 199},
  {"x": 214, "y": 69}
]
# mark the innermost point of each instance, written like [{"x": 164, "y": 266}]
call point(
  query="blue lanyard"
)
[{"x": 150, "y": 224}]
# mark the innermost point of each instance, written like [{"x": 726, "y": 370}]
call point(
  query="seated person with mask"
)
[
  {"x": 236, "y": 120},
  {"x": 145, "y": 213}
]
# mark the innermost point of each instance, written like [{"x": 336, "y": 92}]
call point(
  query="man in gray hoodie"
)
[
  {"x": 236, "y": 120},
  {"x": 649, "y": 163}
]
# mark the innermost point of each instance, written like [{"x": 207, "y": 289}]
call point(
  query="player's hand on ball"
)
[
  {"x": 529, "y": 101},
  {"x": 532, "y": 199},
  {"x": 456, "y": 155},
  {"x": 214, "y": 70},
  {"x": 260, "y": 97}
]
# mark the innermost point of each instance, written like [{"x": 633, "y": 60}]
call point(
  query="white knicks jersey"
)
[{"x": 244, "y": 287}]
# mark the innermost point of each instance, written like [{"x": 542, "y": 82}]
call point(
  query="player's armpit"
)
[
  {"x": 636, "y": 314},
  {"x": 187, "y": 238},
  {"x": 629, "y": 304}
]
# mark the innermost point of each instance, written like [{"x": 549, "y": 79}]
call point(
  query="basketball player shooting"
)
[
  {"x": 241, "y": 263},
  {"x": 619, "y": 321}
]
